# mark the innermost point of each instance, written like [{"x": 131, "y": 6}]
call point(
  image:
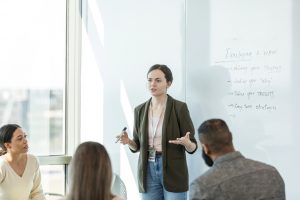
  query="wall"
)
[
  {"x": 233, "y": 60},
  {"x": 121, "y": 41},
  {"x": 242, "y": 67}
]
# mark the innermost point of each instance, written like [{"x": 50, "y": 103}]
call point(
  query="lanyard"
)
[{"x": 155, "y": 129}]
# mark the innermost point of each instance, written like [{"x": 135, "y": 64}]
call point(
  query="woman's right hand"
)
[{"x": 123, "y": 138}]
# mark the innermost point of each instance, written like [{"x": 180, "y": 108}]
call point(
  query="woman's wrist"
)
[
  {"x": 190, "y": 146},
  {"x": 132, "y": 145}
]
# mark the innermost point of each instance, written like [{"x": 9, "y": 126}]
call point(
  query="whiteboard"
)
[{"x": 242, "y": 66}]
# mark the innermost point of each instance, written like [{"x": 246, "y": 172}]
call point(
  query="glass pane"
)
[
  {"x": 32, "y": 68},
  {"x": 53, "y": 179}
]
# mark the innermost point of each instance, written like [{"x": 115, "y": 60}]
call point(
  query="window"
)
[
  {"x": 38, "y": 69},
  {"x": 32, "y": 85}
]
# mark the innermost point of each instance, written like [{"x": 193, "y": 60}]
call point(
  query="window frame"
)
[{"x": 72, "y": 88}]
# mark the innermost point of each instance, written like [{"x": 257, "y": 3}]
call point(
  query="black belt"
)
[{"x": 158, "y": 153}]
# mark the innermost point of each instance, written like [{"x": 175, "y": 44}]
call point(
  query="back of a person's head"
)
[
  {"x": 216, "y": 134},
  {"x": 90, "y": 173}
]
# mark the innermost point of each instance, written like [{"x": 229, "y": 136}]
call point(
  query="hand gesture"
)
[
  {"x": 123, "y": 138},
  {"x": 185, "y": 140}
]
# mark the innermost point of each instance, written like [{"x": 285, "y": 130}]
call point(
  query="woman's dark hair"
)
[
  {"x": 90, "y": 173},
  {"x": 6, "y": 134},
  {"x": 165, "y": 69}
]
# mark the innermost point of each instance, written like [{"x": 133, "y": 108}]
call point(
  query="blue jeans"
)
[{"x": 155, "y": 187}]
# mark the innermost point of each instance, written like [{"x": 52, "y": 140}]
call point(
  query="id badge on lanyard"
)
[{"x": 152, "y": 154}]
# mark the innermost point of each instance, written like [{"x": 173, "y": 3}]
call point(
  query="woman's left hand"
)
[{"x": 185, "y": 140}]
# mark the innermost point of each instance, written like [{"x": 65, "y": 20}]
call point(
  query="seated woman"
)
[
  {"x": 20, "y": 177},
  {"x": 91, "y": 173}
]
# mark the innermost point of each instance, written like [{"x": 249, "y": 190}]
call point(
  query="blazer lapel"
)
[
  {"x": 166, "y": 121},
  {"x": 144, "y": 125}
]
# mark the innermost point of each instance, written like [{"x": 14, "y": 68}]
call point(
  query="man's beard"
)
[{"x": 208, "y": 161}]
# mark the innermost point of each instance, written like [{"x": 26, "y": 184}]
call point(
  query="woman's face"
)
[
  {"x": 157, "y": 83},
  {"x": 18, "y": 142}
]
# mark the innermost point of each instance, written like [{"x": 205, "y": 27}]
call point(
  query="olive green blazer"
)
[{"x": 177, "y": 122}]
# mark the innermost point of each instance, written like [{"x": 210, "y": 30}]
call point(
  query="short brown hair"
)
[{"x": 216, "y": 134}]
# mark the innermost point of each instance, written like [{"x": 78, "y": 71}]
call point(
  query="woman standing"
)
[
  {"x": 163, "y": 131},
  {"x": 20, "y": 177}
]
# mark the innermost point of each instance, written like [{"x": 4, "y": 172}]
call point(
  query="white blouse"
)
[{"x": 25, "y": 187}]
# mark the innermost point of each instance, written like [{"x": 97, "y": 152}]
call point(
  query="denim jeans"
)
[{"x": 155, "y": 187}]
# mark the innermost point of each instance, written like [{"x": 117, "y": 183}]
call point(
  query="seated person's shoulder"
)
[
  {"x": 258, "y": 165},
  {"x": 32, "y": 159},
  {"x": 2, "y": 161}
]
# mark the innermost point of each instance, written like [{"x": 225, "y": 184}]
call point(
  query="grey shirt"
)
[{"x": 234, "y": 177}]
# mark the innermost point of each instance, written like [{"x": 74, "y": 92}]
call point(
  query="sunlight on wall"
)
[
  {"x": 127, "y": 175},
  {"x": 127, "y": 109},
  {"x": 98, "y": 17},
  {"x": 126, "y": 172},
  {"x": 91, "y": 96}
]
